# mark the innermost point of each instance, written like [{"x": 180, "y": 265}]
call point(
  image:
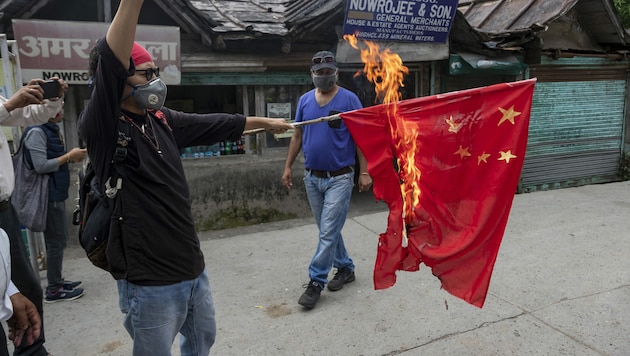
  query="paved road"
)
[{"x": 561, "y": 286}]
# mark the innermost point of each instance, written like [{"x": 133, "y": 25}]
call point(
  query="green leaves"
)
[{"x": 623, "y": 7}]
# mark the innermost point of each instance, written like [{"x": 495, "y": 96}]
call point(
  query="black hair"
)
[{"x": 93, "y": 61}]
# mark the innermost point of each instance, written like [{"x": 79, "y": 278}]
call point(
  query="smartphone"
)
[{"x": 51, "y": 88}]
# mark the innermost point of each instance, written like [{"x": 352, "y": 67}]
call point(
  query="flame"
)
[{"x": 386, "y": 70}]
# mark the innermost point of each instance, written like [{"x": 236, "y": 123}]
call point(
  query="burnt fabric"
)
[{"x": 458, "y": 157}]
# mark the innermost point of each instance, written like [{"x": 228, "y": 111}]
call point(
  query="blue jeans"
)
[
  {"x": 329, "y": 199},
  {"x": 56, "y": 237},
  {"x": 156, "y": 314}
]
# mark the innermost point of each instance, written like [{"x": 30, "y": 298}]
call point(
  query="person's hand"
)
[
  {"x": 287, "y": 178},
  {"x": 365, "y": 182},
  {"x": 277, "y": 126},
  {"x": 29, "y": 94},
  {"x": 77, "y": 154},
  {"x": 63, "y": 88},
  {"x": 25, "y": 324}
]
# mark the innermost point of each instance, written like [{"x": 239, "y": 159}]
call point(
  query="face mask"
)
[
  {"x": 325, "y": 82},
  {"x": 150, "y": 95}
]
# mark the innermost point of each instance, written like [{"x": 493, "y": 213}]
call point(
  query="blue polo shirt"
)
[{"x": 326, "y": 148}]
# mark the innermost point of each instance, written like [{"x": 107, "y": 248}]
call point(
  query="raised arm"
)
[{"x": 122, "y": 31}]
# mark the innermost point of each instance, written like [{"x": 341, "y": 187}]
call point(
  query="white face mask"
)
[
  {"x": 325, "y": 82},
  {"x": 151, "y": 95}
]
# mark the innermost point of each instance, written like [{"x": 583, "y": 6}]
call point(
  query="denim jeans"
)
[
  {"x": 156, "y": 314},
  {"x": 56, "y": 237},
  {"x": 329, "y": 199}
]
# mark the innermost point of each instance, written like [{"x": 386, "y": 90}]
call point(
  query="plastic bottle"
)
[
  {"x": 228, "y": 148},
  {"x": 241, "y": 149}
]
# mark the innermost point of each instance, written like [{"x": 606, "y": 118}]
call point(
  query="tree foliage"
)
[{"x": 623, "y": 7}]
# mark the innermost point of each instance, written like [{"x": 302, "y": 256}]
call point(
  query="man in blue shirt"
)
[{"x": 329, "y": 159}]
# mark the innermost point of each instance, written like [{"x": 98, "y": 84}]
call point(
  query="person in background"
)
[
  {"x": 329, "y": 159},
  {"x": 48, "y": 155},
  {"x": 25, "y": 107},
  {"x": 153, "y": 249},
  {"x": 20, "y": 313}
]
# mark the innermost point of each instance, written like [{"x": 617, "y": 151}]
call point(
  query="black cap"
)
[{"x": 325, "y": 61}]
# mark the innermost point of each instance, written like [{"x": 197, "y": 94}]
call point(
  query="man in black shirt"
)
[{"x": 153, "y": 249}]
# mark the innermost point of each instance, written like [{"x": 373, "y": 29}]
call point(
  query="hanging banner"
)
[
  {"x": 399, "y": 20},
  {"x": 62, "y": 48}
]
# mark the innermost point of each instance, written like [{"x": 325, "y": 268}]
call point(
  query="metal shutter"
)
[{"x": 577, "y": 122}]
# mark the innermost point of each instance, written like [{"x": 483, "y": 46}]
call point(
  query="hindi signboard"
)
[
  {"x": 62, "y": 48},
  {"x": 400, "y": 20}
]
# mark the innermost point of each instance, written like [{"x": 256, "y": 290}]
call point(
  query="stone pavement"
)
[{"x": 561, "y": 286}]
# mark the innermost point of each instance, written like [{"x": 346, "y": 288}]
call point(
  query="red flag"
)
[{"x": 457, "y": 157}]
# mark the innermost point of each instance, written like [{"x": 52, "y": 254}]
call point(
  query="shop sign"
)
[
  {"x": 61, "y": 48},
  {"x": 399, "y": 20}
]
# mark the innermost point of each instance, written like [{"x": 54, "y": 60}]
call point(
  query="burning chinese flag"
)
[{"x": 447, "y": 166}]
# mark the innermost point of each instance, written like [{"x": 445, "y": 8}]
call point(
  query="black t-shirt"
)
[{"x": 153, "y": 239}]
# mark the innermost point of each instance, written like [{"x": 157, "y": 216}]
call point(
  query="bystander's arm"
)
[
  {"x": 37, "y": 145},
  {"x": 27, "y": 107}
]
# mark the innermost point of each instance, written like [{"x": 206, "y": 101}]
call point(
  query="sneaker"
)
[
  {"x": 62, "y": 294},
  {"x": 343, "y": 276},
  {"x": 69, "y": 285},
  {"x": 310, "y": 297}
]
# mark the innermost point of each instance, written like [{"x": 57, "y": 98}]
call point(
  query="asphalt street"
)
[{"x": 561, "y": 286}]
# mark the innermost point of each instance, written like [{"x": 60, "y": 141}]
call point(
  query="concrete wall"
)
[
  {"x": 230, "y": 191},
  {"x": 243, "y": 190}
]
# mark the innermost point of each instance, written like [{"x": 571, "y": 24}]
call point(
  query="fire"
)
[{"x": 386, "y": 70}]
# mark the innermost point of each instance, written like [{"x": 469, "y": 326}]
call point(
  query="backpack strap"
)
[
  {"x": 120, "y": 155},
  {"x": 121, "y": 148}
]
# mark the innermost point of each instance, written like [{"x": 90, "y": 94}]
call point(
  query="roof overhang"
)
[{"x": 408, "y": 52}]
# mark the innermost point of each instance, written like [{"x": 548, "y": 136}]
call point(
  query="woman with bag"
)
[{"x": 45, "y": 150}]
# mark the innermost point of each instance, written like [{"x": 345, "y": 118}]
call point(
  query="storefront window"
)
[{"x": 281, "y": 101}]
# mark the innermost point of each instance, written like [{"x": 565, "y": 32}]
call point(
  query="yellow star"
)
[
  {"x": 508, "y": 115},
  {"x": 453, "y": 126},
  {"x": 462, "y": 152},
  {"x": 484, "y": 156},
  {"x": 506, "y": 156}
]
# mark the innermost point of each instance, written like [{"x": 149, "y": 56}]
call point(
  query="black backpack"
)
[{"x": 95, "y": 209}]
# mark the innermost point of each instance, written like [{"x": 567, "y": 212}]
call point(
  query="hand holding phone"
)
[{"x": 51, "y": 88}]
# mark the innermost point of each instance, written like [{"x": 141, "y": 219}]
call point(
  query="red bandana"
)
[{"x": 140, "y": 55}]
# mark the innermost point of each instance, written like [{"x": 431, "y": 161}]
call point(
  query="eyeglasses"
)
[
  {"x": 148, "y": 73},
  {"x": 327, "y": 59}
]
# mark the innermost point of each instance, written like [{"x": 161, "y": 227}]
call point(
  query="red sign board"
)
[{"x": 61, "y": 49}]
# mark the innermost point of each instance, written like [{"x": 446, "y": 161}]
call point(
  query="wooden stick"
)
[{"x": 298, "y": 124}]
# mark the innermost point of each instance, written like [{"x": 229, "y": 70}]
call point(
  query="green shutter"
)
[{"x": 576, "y": 126}]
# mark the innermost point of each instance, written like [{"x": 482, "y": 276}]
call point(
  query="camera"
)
[{"x": 51, "y": 88}]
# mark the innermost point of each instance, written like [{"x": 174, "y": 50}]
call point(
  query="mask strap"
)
[{"x": 133, "y": 90}]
